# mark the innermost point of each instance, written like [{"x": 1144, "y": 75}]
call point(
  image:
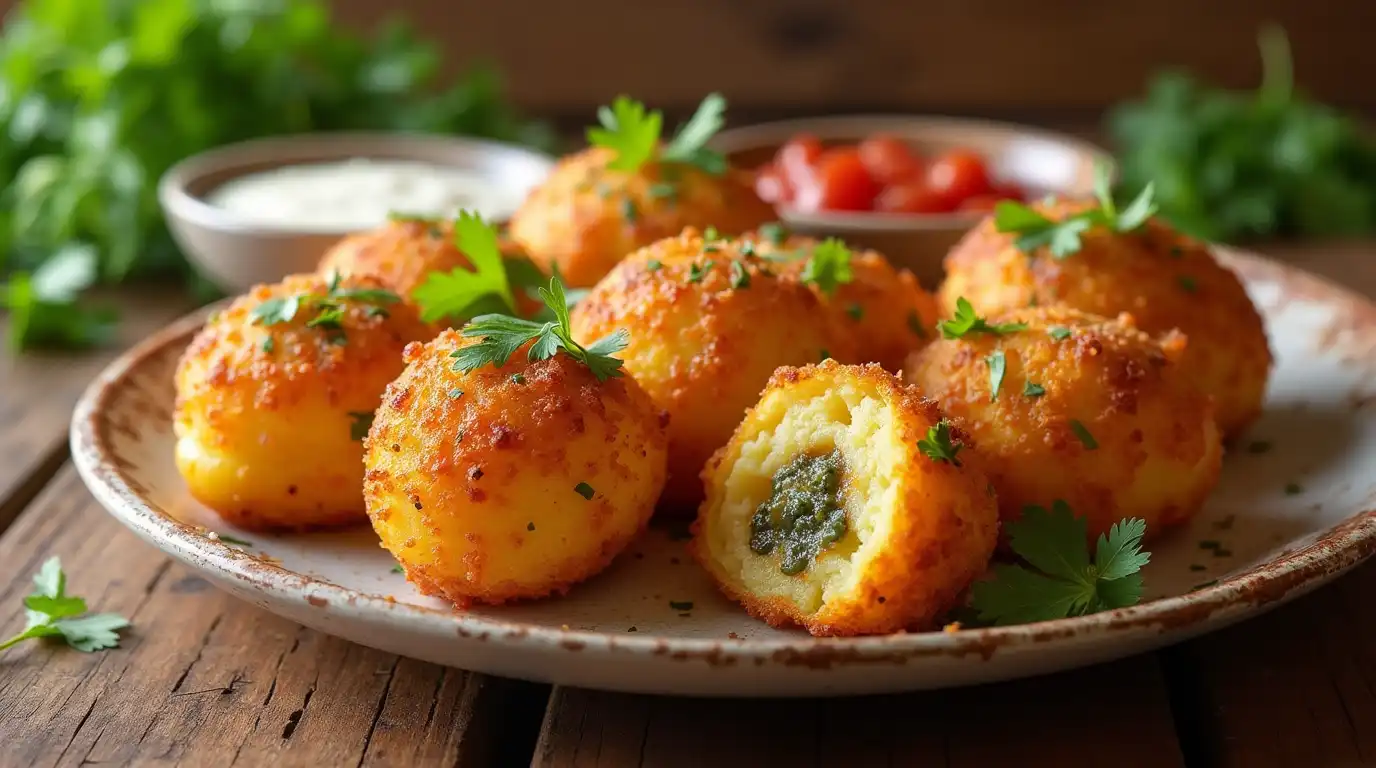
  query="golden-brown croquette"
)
[
  {"x": 586, "y": 217},
  {"x": 1164, "y": 279},
  {"x": 508, "y": 483},
  {"x": 403, "y": 252},
  {"x": 708, "y": 326},
  {"x": 822, "y": 511},
  {"x": 884, "y": 310},
  {"x": 273, "y": 396},
  {"x": 1079, "y": 408}
]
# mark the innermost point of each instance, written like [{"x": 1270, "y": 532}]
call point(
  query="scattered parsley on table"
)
[{"x": 51, "y": 612}]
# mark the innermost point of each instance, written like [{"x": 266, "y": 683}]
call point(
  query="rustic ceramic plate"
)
[{"x": 1296, "y": 507}]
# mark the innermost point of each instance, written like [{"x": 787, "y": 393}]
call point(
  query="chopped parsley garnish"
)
[
  {"x": 740, "y": 278},
  {"x": 329, "y": 309},
  {"x": 232, "y": 540},
  {"x": 458, "y": 292},
  {"x": 277, "y": 310},
  {"x": 502, "y": 335},
  {"x": 51, "y": 612},
  {"x": 517, "y": 378},
  {"x": 1082, "y": 432},
  {"x": 663, "y": 191},
  {"x": 681, "y": 605},
  {"x": 654, "y": 265},
  {"x": 747, "y": 248},
  {"x": 398, "y": 569},
  {"x": 1059, "y": 334},
  {"x": 330, "y": 316},
  {"x": 413, "y": 218},
  {"x": 997, "y": 364},
  {"x": 530, "y": 526},
  {"x": 455, "y": 394},
  {"x": 628, "y": 210},
  {"x": 269, "y": 345},
  {"x": 1293, "y": 489},
  {"x": 633, "y": 133},
  {"x": 1187, "y": 283},
  {"x": 362, "y": 422},
  {"x": 584, "y": 490},
  {"x": 1061, "y": 581},
  {"x": 938, "y": 445},
  {"x": 1062, "y": 238},
  {"x": 856, "y": 312},
  {"x": 1032, "y": 390},
  {"x": 824, "y": 355},
  {"x": 828, "y": 266},
  {"x": 698, "y": 271},
  {"x": 915, "y": 325},
  {"x": 965, "y": 321},
  {"x": 774, "y": 232}
]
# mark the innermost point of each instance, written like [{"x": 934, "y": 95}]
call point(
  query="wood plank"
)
[
  {"x": 827, "y": 55},
  {"x": 1294, "y": 688},
  {"x": 39, "y": 389},
  {"x": 1118, "y": 710},
  {"x": 203, "y": 679}
]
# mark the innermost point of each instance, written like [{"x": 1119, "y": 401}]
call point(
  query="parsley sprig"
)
[
  {"x": 51, "y": 612},
  {"x": 457, "y": 292},
  {"x": 1061, "y": 580},
  {"x": 965, "y": 321},
  {"x": 502, "y": 335},
  {"x": 939, "y": 445},
  {"x": 828, "y": 266},
  {"x": 1062, "y": 238},
  {"x": 633, "y": 132}
]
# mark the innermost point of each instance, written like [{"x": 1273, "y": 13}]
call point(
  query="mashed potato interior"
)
[{"x": 818, "y": 421}]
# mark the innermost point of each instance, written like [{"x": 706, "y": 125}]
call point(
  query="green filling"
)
[{"x": 803, "y": 515}]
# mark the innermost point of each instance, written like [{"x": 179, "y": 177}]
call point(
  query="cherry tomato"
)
[
  {"x": 914, "y": 197},
  {"x": 845, "y": 184},
  {"x": 981, "y": 203},
  {"x": 888, "y": 159},
  {"x": 796, "y": 159},
  {"x": 771, "y": 185},
  {"x": 959, "y": 174}
]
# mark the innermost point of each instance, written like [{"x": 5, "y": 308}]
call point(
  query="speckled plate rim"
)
[{"x": 1287, "y": 575}]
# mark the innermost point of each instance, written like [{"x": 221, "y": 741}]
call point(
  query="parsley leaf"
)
[
  {"x": 628, "y": 129},
  {"x": 938, "y": 445},
  {"x": 584, "y": 490},
  {"x": 1082, "y": 432},
  {"x": 502, "y": 335},
  {"x": 966, "y": 321},
  {"x": 1062, "y": 238},
  {"x": 362, "y": 422},
  {"x": 689, "y": 145},
  {"x": 1061, "y": 580},
  {"x": 740, "y": 278},
  {"x": 458, "y": 292},
  {"x": 1059, "y": 333},
  {"x": 52, "y": 612},
  {"x": 279, "y": 309},
  {"x": 774, "y": 232},
  {"x": 1032, "y": 390},
  {"x": 828, "y": 267},
  {"x": 997, "y": 364}
]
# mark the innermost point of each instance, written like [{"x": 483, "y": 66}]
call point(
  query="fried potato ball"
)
[
  {"x": 403, "y": 252},
  {"x": 585, "y": 217},
  {"x": 823, "y": 512},
  {"x": 509, "y": 483},
  {"x": 1082, "y": 409},
  {"x": 884, "y": 310},
  {"x": 1166, "y": 280},
  {"x": 708, "y": 325},
  {"x": 273, "y": 396}
]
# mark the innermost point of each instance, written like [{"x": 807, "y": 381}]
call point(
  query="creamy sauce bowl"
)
[{"x": 256, "y": 211}]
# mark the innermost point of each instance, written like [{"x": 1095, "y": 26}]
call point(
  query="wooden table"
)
[{"x": 205, "y": 680}]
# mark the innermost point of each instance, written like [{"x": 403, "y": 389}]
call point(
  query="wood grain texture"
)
[
  {"x": 203, "y": 679},
  {"x": 1048, "y": 721},
  {"x": 811, "y": 55},
  {"x": 38, "y": 390}
]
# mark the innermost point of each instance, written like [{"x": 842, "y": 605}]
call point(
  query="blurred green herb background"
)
[{"x": 99, "y": 97}]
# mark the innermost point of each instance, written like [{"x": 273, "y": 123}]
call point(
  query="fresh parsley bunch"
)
[
  {"x": 1234, "y": 165},
  {"x": 51, "y": 612},
  {"x": 101, "y": 97},
  {"x": 1059, "y": 578},
  {"x": 633, "y": 132},
  {"x": 502, "y": 335},
  {"x": 1062, "y": 238}
]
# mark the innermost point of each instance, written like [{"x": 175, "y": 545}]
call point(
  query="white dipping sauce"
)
[{"x": 358, "y": 194}]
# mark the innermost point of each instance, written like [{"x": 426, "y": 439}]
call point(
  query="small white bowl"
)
[
  {"x": 238, "y": 254},
  {"x": 1039, "y": 161}
]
